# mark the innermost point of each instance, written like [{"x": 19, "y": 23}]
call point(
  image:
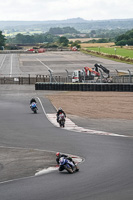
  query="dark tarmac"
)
[{"x": 16, "y": 163}]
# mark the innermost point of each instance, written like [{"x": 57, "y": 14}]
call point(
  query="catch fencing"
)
[{"x": 32, "y": 79}]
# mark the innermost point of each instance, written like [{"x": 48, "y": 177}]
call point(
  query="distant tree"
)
[
  {"x": 30, "y": 39},
  {"x": 124, "y": 39},
  {"x": 63, "y": 41},
  {"x": 121, "y": 43},
  {"x": 2, "y": 39},
  {"x": 23, "y": 39},
  {"x": 76, "y": 44},
  {"x": 64, "y": 30},
  {"x": 103, "y": 40},
  {"x": 93, "y": 33}
]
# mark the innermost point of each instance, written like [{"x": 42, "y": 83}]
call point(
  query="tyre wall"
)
[{"x": 84, "y": 87}]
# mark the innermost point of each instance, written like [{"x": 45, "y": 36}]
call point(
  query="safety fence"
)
[
  {"x": 84, "y": 87},
  {"x": 122, "y": 79},
  {"x": 32, "y": 79}
]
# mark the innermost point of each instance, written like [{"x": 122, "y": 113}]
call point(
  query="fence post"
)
[
  {"x": 67, "y": 79},
  {"x": 22, "y": 80},
  {"x": 43, "y": 78},
  {"x": 29, "y": 79},
  {"x": 36, "y": 77},
  {"x": 50, "y": 71},
  {"x": 130, "y": 80},
  {"x": 101, "y": 76}
]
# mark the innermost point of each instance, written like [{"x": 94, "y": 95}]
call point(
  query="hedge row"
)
[{"x": 84, "y": 87}]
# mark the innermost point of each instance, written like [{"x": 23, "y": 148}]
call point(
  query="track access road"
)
[{"x": 105, "y": 174}]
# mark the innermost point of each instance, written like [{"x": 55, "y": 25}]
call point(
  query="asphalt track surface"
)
[{"x": 105, "y": 174}]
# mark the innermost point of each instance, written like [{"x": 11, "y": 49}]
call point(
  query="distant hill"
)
[{"x": 79, "y": 24}]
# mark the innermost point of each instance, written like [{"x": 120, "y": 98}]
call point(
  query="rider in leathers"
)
[
  {"x": 58, "y": 156},
  {"x": 33, "y": 101},
  {"x": 60, "y": 111}
]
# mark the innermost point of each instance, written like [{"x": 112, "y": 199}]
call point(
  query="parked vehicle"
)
[{"x": 89, "y": 74}]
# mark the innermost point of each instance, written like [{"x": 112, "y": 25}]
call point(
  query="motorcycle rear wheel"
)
[
  {"x": 70, "y": 171},
  {"x": 35, "y": 111},
  {"x": 62, "y": 124}
]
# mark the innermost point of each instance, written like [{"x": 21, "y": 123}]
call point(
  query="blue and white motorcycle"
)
[
  {"x": 68, "y": 165},
  {"x": 33, "y": 107}
]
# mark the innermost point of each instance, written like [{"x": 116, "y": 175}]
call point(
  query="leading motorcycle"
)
[
  {"x": 33, "y": 107},
  {"x": 68, "y": 165}
]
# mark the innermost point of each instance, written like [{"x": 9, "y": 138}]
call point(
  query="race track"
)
[{"x": 105, "y": 174}]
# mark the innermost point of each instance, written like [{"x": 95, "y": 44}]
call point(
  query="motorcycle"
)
[
  {"x": 33, "y": 107},
  {"x": 68, "y": 165},
  {"x": 61, "y": 120}
]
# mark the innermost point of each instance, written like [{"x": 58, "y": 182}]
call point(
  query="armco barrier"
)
[{"x": 85, "y": 86}]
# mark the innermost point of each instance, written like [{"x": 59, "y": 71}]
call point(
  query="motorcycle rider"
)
[
  {"x": 33, "y": 100},
  {"x": 60, "y": 111},
  {"x": 59, "y": 155}
]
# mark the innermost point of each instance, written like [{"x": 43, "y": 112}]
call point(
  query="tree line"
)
[
  {"x": 125, "y": 39},
  {"x": 32, "y": 39},
  {"x": 49, "y": 39},
  {"x": 64, "y": 30}
]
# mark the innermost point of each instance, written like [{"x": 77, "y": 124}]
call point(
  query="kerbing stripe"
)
[{"x": 69, "y": 125}]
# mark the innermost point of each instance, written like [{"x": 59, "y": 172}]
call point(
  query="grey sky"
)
[{"x": 34, "y": 10}]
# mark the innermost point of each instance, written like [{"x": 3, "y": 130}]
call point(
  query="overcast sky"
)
[{"x": 42, "y": 10}]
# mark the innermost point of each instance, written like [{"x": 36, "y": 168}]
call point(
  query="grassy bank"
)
[
  {"x": 110, "y": 52},
  {"x": 113, "y": 51}
]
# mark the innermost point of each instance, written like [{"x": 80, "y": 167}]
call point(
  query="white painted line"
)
[
  {"x": 44, "y": 65},
  {"x": 41, "y": 105},
  {"x": 19, "y": 148},
  {"x": 2, "y": 61},
  {"x": 8, "y": 181},
  {"x": 11, "y": 66}
]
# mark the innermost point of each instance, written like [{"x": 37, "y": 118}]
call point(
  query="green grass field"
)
[{"x": 113, "y": 50}]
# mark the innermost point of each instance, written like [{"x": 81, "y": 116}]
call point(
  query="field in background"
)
[
  {"x": 83, "y": 39},
  {"x": 113, "y": 51},
  {"x": 85, "y": 45}
]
